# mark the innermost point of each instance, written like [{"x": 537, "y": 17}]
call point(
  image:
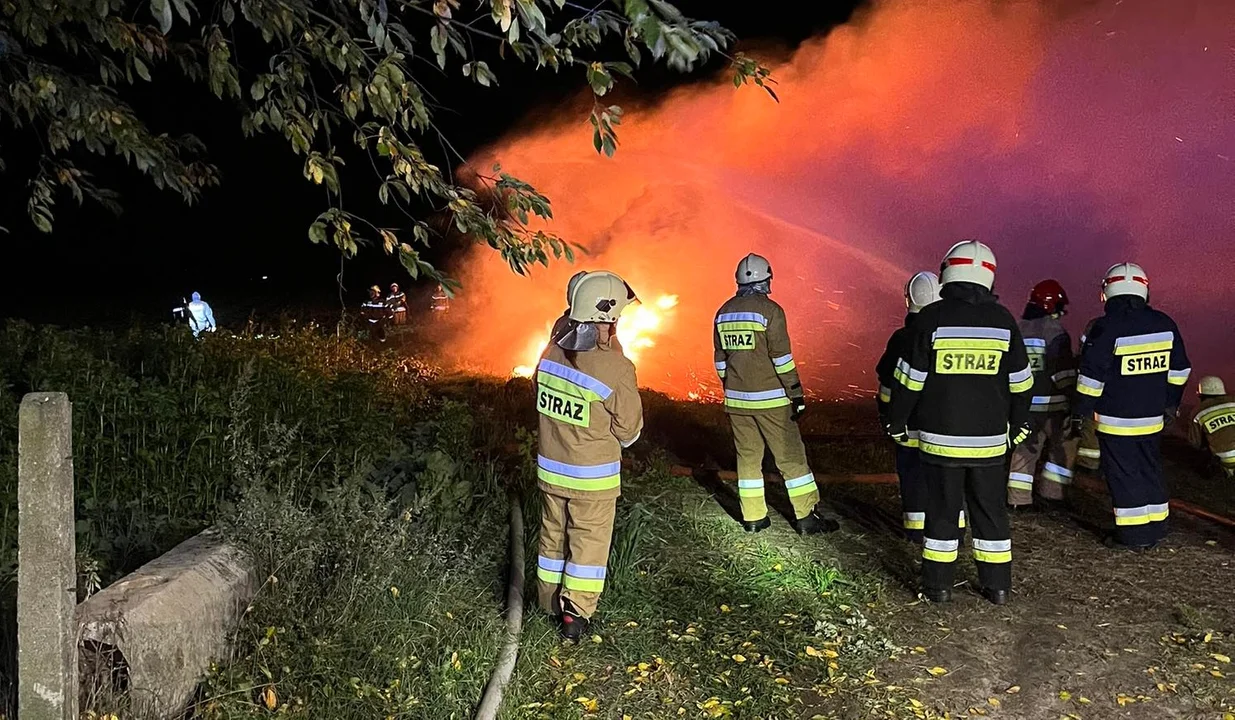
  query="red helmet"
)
[{"x": 1049, "y": 297}]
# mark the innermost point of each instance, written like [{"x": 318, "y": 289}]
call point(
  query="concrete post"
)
[{"x": 46, "y": 557}]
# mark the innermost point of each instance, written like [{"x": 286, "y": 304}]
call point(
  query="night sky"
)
[{"x": 98, "y": 268}]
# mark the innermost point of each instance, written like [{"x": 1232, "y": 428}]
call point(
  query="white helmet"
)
[
  {"x": 570, "y": 285},
  {"x": 599, "y": 297},
  {"x": 753, "y": 268},
  {"x": 921, "y": 290},
  {"x": 1211, "y": 385},
  {"x": 1125, "y": 279},
  {"x": 969, "y": 261}
]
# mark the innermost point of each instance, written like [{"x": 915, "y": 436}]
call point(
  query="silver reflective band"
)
[
  {"x": 1057, "y": 469},
  {"x": 1049, "y": 399},
  {"x": 782, "y": 360},
  {"x": 992, "y": 545},
  {"x": 722, "y": 365},
  {"x": 1035, "y": 342},
  {"x": 1226, "y": 454},
  {"x": 972, "y": 332},
  {"x": 799, "y": 482},
  {"x": 1020, "y": 376},
  {"x": 913, "y": 374},
  {"x": 1128, "y": 422},
  {"x": 1064, "y": 375},
  {"x": 551, "y": 564},
  {"x": 1145, "y": 339},
  {"x": 962, "y": 440},
  {"x": 915, "y": 516},
  {"x": 750, "y": 484},
  {"x": 1089, "y": 382},
  {"x": 1180, "y": 374},
  {"x": 761, "y": 395},
  {"x": 632, "y": 441},
  {"x": 1143, "y": 510},
  {"x": 585, "y": 572},
  {"x": 742, "y": 317},
  {"x": 941, "y": 545}
]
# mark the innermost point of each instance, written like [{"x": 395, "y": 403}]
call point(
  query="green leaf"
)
[
  {"x": 162, "y": 11},
  {"x": 317, "y": 233},
  {"x": 182, "y": 8},
  {"x": 142, "y": 71},
  {"x": 229, "y": 13}
]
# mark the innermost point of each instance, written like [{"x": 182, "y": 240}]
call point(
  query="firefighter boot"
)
[
  {"x": 754, "y": 526},
  {"x": 815, "y": 524},
  {"x": 574, "y": 626},
  {"x": 996, "y": 597},
  {"x": 937, "y": 595}
]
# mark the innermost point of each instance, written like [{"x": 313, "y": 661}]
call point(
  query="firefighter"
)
[
  {"x": 396, "y": 300},
  {"x": 1054, "y": 378},
  {"x": 562, "y": 324},
  {"x": 1132, "y": 375},
  {"x": 1088, "y": 454},
  {"x": 376, "y": 313},
  {"x": 764, "y": 399},
  {"x": 921, "y": 290},
  {"x": 589, "y": 409},
  {"x": 1213, "y": 425},
  {"x": 201, "y": 316},
  {"x": 965, "y": 387},
  {"x": 440, "y": 302}
]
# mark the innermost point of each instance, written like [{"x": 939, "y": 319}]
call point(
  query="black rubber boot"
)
[
  {"x": 1112, "y": 542},
  {"x": 937, "y": 595},
  {"x": 815, "y": 524},
  {"x": 996, "y": 597},
  {"x": 574, "y": 626},
  {"x": 754, "y": 526}
]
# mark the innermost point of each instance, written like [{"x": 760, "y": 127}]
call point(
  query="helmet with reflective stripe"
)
[
  {"x": 599, "y": 297},
  {"x": 1049, "y": 297},
  {"x": 752, "y": 269},
  {"x": 969, "y": 261},
  {"x": 921, "y": 290},
  {"x": 1211, "y": 385},
  {"x": 1125, "y": 279},
  {"x": 574, "y": 280}
]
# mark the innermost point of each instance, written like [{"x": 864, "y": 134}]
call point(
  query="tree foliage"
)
[{"x": 321, "y": 73}]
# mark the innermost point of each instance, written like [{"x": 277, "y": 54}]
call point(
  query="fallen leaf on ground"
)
[
  {"x": 270, "y": 698},
  {"x": 1013, "y": 690},
  {"x": 1065, "y": 695},
  {"x": 994, "y": 702},
  {"x": 739, "y": 658},
  {"x": 937, "y": 671},
  {"x": 1220, "y": 658},
  {"x": 589, "y": 704}
]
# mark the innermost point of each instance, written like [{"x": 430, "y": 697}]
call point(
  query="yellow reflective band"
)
[
  {"x": 885, "y": 395},
  {"x": 603, "y": 483},
  {"x": 757, "y": 404},
  {"x": 1086, "y": 390},
  {"x": 1124, "y": 431},
  {"x": 962, "y": 452},
  {"x": 1148, "y": 347},
  {"x": 1020, "y": 485},
  {"x": 914, "y": 521},
  {"x": 904, "y": 379},
  {"x": 968, "y": 362},
  {"x": 971, "y": 344},
  {"x": 800, "y": 490},
  {"x": 910, "y": 443},
  {"x": 721, "y": 373},
  {"x": 787, "y": 367},
  {"x": 960, "y": 521},
  {"x": 1174, "y": 380},
  {"x": 548, "y": 576},
  {"x": 943, "y": 556},
  {"x": 1020, "y": 387},
  {"x": 1089, "y": 453},
  {"x": 583, "y": 584},
  {"x": 1140, "y": 519},
  {"x": 732, "y": 327},
  {"x": 1146, "y": 363},
  {"x": 988, "y": 556}
]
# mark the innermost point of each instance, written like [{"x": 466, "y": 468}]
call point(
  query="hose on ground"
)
[{"x": 491, "y": 702}]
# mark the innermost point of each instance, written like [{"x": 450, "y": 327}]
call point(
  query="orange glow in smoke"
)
[{"x": 637, "y": 331}]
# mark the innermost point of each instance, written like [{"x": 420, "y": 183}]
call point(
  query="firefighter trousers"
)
[
  {"x": 1046, "y": 439},
  {"x": 776, "y": 431},
  {"x": 1133, "y": 470},
  {"x": 1088, "y": 454},
  {"x": 983, "y": 490},
  {"x": 575, "y": 534},
  {"x": 913, "y": 493}
]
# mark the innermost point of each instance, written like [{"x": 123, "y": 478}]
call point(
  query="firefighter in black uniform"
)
[
  {"x": 1132, "y": 377},
  {"x": 965, "y": 386},
  {"x": 921, "y": 290}
]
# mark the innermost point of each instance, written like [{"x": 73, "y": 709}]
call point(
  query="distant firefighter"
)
[
  {"x": 376, "y": 313},
  {"x": 1213, "y": 425},
  {"x": 764, "y": 399},
  {"x": 588, "y": 402},
  {"x": 1054, "y": 378},
  {"x": 921, "y": 290},
  {"x": 965, "y": 382},
  {"x": 1088, "y": 454},
  {"x": 201, "y": 316},
  {"x": 1132, "y": 377},
  {"x": 440, "y": 302},
  {"x": 397, "y": 302}
]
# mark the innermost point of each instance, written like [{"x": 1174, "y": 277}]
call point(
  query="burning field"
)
[{"x": 1068, "y": 135}]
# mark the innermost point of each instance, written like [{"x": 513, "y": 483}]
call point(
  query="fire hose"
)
[{"x": 491, "y": 701}]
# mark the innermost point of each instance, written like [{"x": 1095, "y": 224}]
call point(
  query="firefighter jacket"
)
[
  {"x": 1054, "y": 365},
  {"x": 1133, "y": 369},
  {"x": 589, "y": 410},
  {"x": 750, "y": 338},
  {"x": 965, "y": 381},
  {"x": 374, "y": 310},
  {"x": 885, "y": 371},
  {"x": 1214, "y": 425}
]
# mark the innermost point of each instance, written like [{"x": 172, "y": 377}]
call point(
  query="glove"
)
[
  {"x": 1073, "y": 429},
  {"x": 1019, "y": 434},
  {"x": 900, "y": 434},
  {"x": 799, "y": 409}
]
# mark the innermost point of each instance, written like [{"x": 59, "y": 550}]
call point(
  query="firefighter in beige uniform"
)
[
  {"x": 1088, "y": 454},
  {"x": 590, "y": 410},
  {"x": 764, "y": 399},
  {"x": 1213, "y": 425}
]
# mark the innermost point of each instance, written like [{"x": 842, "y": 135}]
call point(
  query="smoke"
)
[{"x": 1068, "y": 136}]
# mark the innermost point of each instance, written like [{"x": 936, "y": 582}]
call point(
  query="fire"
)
[{"x": 637, "y": 331}]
